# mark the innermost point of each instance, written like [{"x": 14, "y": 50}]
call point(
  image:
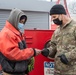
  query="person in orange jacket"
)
[{"x": 14, "y": 55}]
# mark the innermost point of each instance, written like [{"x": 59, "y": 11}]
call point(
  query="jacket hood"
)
[{"x": 14, "y": 17}]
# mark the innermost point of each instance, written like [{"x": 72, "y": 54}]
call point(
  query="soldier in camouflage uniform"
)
[{"x": 62, "y": 46}]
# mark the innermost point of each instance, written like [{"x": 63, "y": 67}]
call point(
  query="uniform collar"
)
[
  {"x": 66, "y": 24},
  {"x": 12, "y": 28}
]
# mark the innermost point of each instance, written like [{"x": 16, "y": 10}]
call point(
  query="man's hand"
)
[{"x": 38, "y": 51}]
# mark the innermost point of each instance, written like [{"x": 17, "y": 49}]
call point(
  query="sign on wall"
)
[{"x": 48, "y": 68}]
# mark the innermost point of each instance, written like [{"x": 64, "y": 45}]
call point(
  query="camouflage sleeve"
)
[
  {"x": 52, "y": 47},
  {"x": 71, "y": 55}
]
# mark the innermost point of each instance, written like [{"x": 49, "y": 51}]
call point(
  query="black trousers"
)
[{"x": 13, "y": 74}]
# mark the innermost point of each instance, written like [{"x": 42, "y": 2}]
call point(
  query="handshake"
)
[{"x": 44, "y": 52}]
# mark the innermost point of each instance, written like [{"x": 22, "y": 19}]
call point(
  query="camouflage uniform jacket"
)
[{"x": 65, "y": 43}]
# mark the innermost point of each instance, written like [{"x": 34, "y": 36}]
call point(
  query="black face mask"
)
[{"x": 57, "y": 21}]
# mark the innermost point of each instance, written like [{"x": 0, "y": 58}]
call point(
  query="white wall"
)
[{"x": 29, "y": 5}]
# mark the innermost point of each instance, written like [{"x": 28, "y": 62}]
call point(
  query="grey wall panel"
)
[
  {"x": 3, "y": 17},
  {"x": 37, "y": 20}
]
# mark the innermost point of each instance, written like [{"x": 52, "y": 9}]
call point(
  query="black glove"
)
[
  {"x": 45, "y": 52},
  {"x": 63, "y": 59}
]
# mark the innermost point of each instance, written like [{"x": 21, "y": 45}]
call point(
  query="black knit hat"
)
[{"x": 57, "y": 9}]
